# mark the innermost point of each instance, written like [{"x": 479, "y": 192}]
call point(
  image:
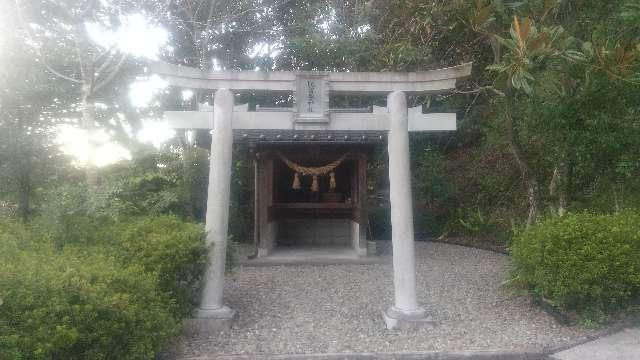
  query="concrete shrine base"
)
[
  {"x": 308, "y": 255},
  {"x": 208, "y": 323}
]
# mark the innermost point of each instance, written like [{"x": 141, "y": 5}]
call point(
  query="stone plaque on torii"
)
[{"x": 311, "y": 112}]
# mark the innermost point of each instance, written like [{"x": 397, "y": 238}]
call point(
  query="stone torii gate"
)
[{"x": 311, "y": 112}]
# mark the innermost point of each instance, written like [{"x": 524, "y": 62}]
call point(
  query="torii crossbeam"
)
[{"x": 311, "y": 112}]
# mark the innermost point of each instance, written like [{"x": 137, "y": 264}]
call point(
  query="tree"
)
[
  {"x": 543, "y": 58},
  {"x": 545, "y": 63},
  {"x": 60, "y": 33},
  {"x": 30, "y": 102}
]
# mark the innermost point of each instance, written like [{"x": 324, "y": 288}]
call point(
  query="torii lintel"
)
[{"x": 340, "y": 82}]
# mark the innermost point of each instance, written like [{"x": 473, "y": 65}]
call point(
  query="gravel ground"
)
[{"x": 338, "y": 309}]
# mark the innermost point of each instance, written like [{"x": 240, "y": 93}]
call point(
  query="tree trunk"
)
[
  {"x": 24, "y": 196},
  {"x": 88, "y": 124},
  {"x": 533, "y": 197},
  {"x": 562, "y": 202},
  {"x": 533, "y": 193},
  {"x": 617, "y": 198},
  {"x": 558, "y": 189},
  {"x": 562, "y": 188}
]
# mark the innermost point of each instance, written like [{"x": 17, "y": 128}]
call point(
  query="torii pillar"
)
[
  {"x": 405, "y": 310},
  {"x": 313, "y": 89},
  {"x": 217, "y": 217}
]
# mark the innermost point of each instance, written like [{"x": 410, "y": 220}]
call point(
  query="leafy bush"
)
[
  {"x": 475, "y": 224},
  {"x": 585, "y": 262},
  {"x": 70, "y": 305},
  {"x": 120, "y": 297},
  {"x": 434, "y": 191},
  {"x": 166, "y": 246},
  {"x": 149, "y": 184},
  {"x": 171, "y": 249},
  {"x": 68, "y": 217},
  {"x": 14, "y": 235}
]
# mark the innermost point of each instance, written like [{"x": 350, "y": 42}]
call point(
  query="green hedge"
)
[
  {"x": 171, "y": 249},
  {"x": 122, "y": 299},
  {"x": 585, "y": 262}
]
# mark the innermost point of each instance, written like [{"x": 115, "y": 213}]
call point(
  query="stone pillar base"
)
[
  {"x": 398, "y": 319},
  {"x": 210, "y": 322}
]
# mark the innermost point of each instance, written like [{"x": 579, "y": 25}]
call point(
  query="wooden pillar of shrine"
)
[
  {"x": 266, "y": 227},
  {"x": 360, "y": 218}
]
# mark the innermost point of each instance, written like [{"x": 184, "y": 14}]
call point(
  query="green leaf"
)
[
  {"x": 497, "y": 68},
  {"x": 587, "y": 49},
  {"x": 576, "y": 55}
]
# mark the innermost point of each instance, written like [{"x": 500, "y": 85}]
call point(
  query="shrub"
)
[
  {"x": 434, "y": 191},
  {"x": 69, "y": 217},
  {"x": 70, "y": 305},
  {"x": 14, "y": 235},
  {"x": 166, "y": 246},
  {"x": 171, "y": 249},
  {"x": 116, "y": 298},
  {"x": 585, "y": 262},
  {"x": 473, "y": 223}
]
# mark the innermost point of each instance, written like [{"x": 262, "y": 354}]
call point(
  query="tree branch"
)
[
  {"x": 112, "y": 75},
  {"x": 513, "y": 146},
  {"x": 481, "y": 89},
  {"x": 81, "y": 62},
  {"x": 105, "y": 64},
  {"x": 104, "y": 53},
  {"x": 37, "y": 50},
  {"x": 55, "y": 72}
]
